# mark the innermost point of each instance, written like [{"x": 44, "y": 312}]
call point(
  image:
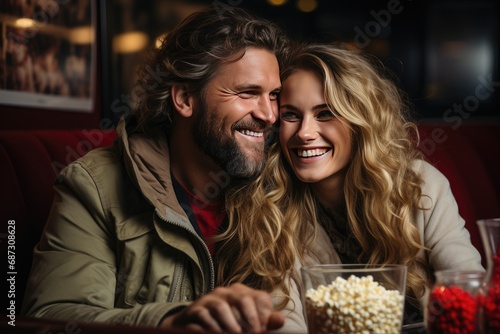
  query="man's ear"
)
[{"x": 182, "y": 99}]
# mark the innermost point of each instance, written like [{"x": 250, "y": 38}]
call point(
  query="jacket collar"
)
[{"x": 147, "y": 162}]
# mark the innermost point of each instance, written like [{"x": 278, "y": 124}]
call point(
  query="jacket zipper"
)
[
  {"x": 177, "y": 280},
  {"x": 205, "y": 247}
]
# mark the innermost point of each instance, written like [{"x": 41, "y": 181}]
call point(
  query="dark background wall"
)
[
  {"x": 444, "y": 54},
  {"x": 440, "y": 51}
]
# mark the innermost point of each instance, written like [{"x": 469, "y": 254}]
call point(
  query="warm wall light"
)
[
  {"x": 24, "y": 23},
  {"x": 277, "y": 2},
  {"x": 159, "y": 40},
  {"x": 307, "y": 6},
  {"x": 130, "y": 42},
  {"x": 81, "y": 35}
]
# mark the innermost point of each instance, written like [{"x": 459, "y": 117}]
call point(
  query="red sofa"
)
[
  {"x": 29, "y": 162},
  {"x": 469, "y": 156}
]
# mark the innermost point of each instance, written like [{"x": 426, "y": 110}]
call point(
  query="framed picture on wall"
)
[{"x": 48, "y": 54}]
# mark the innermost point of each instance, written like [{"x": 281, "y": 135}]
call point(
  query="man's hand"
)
[{"x": 233, "y": 309}]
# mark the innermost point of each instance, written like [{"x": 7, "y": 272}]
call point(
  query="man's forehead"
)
[{"x": 256, "y": 69}]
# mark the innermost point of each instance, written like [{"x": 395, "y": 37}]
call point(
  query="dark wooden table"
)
[{"x": 27, "y": 325}]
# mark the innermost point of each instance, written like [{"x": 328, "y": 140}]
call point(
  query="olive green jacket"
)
[{"x": 119, "y": 248}]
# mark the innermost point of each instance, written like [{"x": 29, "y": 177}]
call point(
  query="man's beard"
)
[{"x": 211, "y": 137}]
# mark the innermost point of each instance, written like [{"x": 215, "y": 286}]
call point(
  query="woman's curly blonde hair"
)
[{"x": 272, "y": 219}]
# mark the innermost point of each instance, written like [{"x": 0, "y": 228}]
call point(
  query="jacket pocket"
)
[{"x": 152, "y": 271}]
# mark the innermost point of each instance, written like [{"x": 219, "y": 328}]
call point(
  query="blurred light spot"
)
[
  {"x": 380, "y": 47},
  {"x": 130, "y": 42},
  {"x": 81, "y": 35},
  {"x": 307, "y": 6},
  {"x": 453, "y": 49},
  {"x": 432, "y": 90},
  {"x": 24, "y": 23},
  {"x": 159, "y": 40},
  {"x": 483, "y": 58},
  {"x": 352, "y": 46},
  {"x": 277, "y": 2}
]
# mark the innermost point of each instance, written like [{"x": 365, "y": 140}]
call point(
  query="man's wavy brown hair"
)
[{"x": 193, "y": 53}]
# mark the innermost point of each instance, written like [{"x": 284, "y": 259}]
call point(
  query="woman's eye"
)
[
  {"x": 288, "y": 116},
  {"x": 325, "y": 115}
]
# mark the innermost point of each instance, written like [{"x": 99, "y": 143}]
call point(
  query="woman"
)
[{"x": 346, "y": 164}]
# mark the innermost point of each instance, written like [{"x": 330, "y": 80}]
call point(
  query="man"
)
[{"x": 128, "y": 238}]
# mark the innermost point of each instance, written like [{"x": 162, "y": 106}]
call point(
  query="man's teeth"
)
[
  {"x": 252, "y": 133},
  {"x": 311, "y": 153}
]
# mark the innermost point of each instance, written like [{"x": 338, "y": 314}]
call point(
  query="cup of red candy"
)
[{"x": 452, "y": 303}]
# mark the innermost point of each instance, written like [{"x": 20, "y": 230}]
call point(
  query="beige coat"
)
[{"x": 441, "y": 227}]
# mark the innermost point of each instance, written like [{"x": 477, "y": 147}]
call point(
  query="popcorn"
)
[{"x": 355, "y": 305}]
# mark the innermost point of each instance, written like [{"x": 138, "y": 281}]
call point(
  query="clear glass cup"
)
[
  {"x": 452, "y": 302},
  {"x": 489, "y": 296},
  {"x": 354, "y": 298}
]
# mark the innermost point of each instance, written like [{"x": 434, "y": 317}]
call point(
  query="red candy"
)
[{"x": 451, "y": 310}]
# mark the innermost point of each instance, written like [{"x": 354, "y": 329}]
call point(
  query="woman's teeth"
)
[{"x": 311, "y": 153}]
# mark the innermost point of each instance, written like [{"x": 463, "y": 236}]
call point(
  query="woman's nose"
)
[{"x": 308, "y": 129}]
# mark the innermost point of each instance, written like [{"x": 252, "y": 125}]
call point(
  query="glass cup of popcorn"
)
[{"x": 354, "y": 298}]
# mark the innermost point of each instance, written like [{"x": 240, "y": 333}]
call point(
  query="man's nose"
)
[{"x": 266, "y": 111}]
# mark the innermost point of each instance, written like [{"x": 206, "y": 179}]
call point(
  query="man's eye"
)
[
  {"x": 288, "y": 116},
  {"x": 325, "y": 115},
  {"x": 273, "y": 96},
  {"x": 246, "y": 95}
]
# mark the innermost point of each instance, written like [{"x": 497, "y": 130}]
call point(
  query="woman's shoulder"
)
[
  {"x": 428, "y": 173},
  {"x": 434, "y": 185}
]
